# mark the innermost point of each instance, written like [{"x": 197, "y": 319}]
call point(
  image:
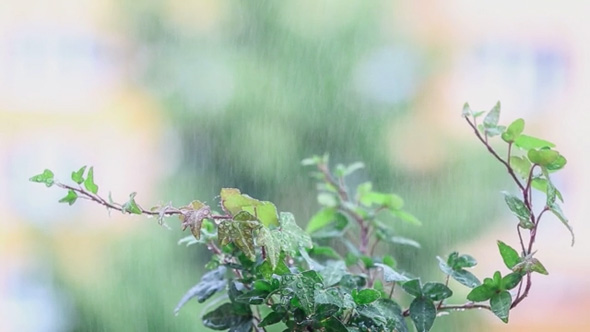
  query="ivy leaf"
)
[
  {"x": 526, "y": 143},
  {"x": 131, "y": 206},
  {"x": 365, "y": 296},
  {"x": 422, "y": 313},
  {"x": 391, "y": 275},
  {"x": 89, "y": 182},
  {"x": 78, "y": 176},
  {"x": 509, "y": 255},
  {"x": 333, "y": 273},
  {"x": 517, "y": 206},
  {"x": 436, "y": 291},
  {"x": 225, "y": 317},
  {"x": 45, "y": 177},
  {"x": 556, "y": 209},
  {"x": 193, "y": 216},
  {"x": 291, "y": 236},
  {"x": 271, "y": 244},
  {"x": 321, "y": 219},
  {"x": 303, "y": 287},
  {"x": 241, "y": 233},
  {"x": 234, "y": 202},
  {"x": 393, "y": 314},
  {"x": 513, "y": 131},
  {"x": 70, "y": 197},
  {"x": 211, "y": 283},
  {"x": 500, "y": 304}
]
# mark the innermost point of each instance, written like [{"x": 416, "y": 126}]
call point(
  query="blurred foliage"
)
[{"x": 251, "y": 97}]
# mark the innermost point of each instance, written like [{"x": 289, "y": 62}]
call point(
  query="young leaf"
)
[
  {"x": 513, "y": 131},
  {"x": 78, "y": 176},
  {"x": 517, "y": 206},
  {"x": 70, "y": 197},
  {"x": 234, "y": 202},
  {"x": 241, "y": 233},
  {"x": 538, "y": 267},
  {"x": 89, "y": 182},
  {"x": 466, "y": 111},
  {"x": 521, "y": 165},
  {"x": 271, "y": 244},
  {"x": 211, "y": 283},
  {"x": 542, "y": 157},
  {"x": 291, "y": 237},
  {"x": 509, "y": 255},
  {"x": 556, "y": 209},
  {"x": 500, "y": 304},
  {"x": 526, "y": 143},
  {"x": 130, "y": 206},
  {"x": 365, "y": 296},
  {"x": 272, "y": 318},
  {"x": 45, "y": 177},
  {"x": 491, "y": 119},
  {"x": 422, "y": 313}
]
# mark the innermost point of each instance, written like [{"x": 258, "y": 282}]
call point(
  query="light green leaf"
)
[
  {"x": 558, "y": 164},
  {"x": 526, "y": 142},
  {"x": 491, "y": 119},
  {"x": 422, "y": 313},
  {"x": 271, "y": 244},
  {"x": 542, "y": 157},
  {"x": 45, "y": 177},
  {"x": 327, "y": 199},
  {"x": 500, "y": 304},
  {"x": 540, "y": 184},
  {"x": 234, "y": 202},
  {"x": 481, "y": 293},
  {"x": 130, "y": 206},
  {"x": 509, "y": 255},
  {"x": 291, "y": 237},
  {"x": 556, "y": 209},
  {"x": 89, "y": 182},
  {"x": 521, "y": 165},
  {"x": 70, "y": 197},
  {"x": 407, "y": 217},
  {"x": 517, "y": 206},
  {"x": 365, "y": 296},
  {"x": 391, "y": 275},
  {"x": 538, "y": 267},
  {"x": 513, "y": 131},
  {"x": 78, "y": 176}
]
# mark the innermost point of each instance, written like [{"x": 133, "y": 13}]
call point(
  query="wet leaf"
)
[
  {"x": 291, "y": 236},
  {"x": 365, "y": 296},
  {"x": 391, "y": 275},
  {"x": 510, "y": 281},
  {"x": 509, "y": 255},
  {"x": 272, "y": 318},
  {"x": 89, "y": 182},
  {"x": 481, "y": 293},
  {"x": 517, "y": 206},
  {"x": 271, "y": 244},
  {"x": 224, "y": 317},
  {"x": 413, "y": 287},
  {"x": 211, "y": 282},
  {"x": 500, "y": 304},
  {"x": 436, "y": 291},
  {"x": 422, "y": 313},
  {"x": 241, "y": 233},
  {"x": 46, "y": 177}
]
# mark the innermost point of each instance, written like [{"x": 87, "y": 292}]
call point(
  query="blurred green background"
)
[{"x": 177, "y": 99}]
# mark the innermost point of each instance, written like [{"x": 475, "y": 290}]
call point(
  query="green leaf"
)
[
  {"x": 538, "y": 267},
  {"x": 78, "y": 176},
  {"x": 500, "y": 304},
  {"x": 436, "y": 291},
  {"x": 332, "y": 324},
  {"x": 541, "y": 185},
  {"x": 70, "y": 197},
  {"x": 510, "y": 281},
  {"x": 193, "y": 216},
  {"x": 389, "y": 261},
  {"x": 497, "y": 280},
  {"x": 383, "y": 236},
  {"x": 466, "y": 278},
  {"x": 393, "y": 314},
  {"x": 321, "y": 219},
  {"x": 325, "y": 251},
  {"x": 413, "y": 287},
  {"x": 241, "y": 233},
  {"x": 481, "y": 293},
  {"x": 303, "y": 286},
  {"x": 556, "y": 209},
  {"x": 272, "y": 318},
  {"x": 211, "y": 283},
  {"x": 492, "y": 118},
  {"x": 130, "y": 206},
  {"x": 391, "y": 275},
  {"x": 327, "y": 199},
  {"x": 45, "y": 177},
  {"x": 365, "y": 296},
  {"x": 225, "y": 317},
  {"x": 466, "y": 111},
  {"x": 521, "y": 165},
  {"x": 457, "y": 262},
  {"x": 517, "y": 206},
  {"x": 333, "y": 273},
  {"x": 291, "y": 236},
  {"x": 558, "y": 164},
  {"x": 89, "y": 182},
  {"x": 253, "y": 297},
  {"x": 407, "y": 217},
  {"x": 526, "y": 142},
  {"x": 422, "y": 313},
  {"x": 234, "y": 202},
  {"x": 542, "y": 157},
  {"x": 513, "y": 131},
  {"x": 509, "y": 255},
  {"x": 271, "y": 244}
]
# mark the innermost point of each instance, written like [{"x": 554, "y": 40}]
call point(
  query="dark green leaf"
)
[
  {"x": 272, "y": 318},
  {"x": 413, "y": 287},
  {"x": 332, "y": 324},
  {"x": 254, "y": 297},
  {"x": 224, "y": 317},
  {"x": 390, "y": 275},
  {"x": 78, "y": 176},
  {"x": 526, "y": 142},
  {"x": 324, "y": 310},
  {"x": 70, "y": 197},
  {"x": 45, "y": 177},
  {"x": 500, "y": 304},
  {"x": 393, "y": 314},
  {"x": 365, "y": 296},
  {"x": 436, "y": 291},
  {"x": 130, "y": 206},
  {"x": 509, "y": 255},
  {"x": 510, "y": 281},
  {"x": 211, "y": 282},
  {"x": 89, "y": 182},
  {"x": 407, "y": 217},
  {"x": 422, "y": 313},
  {"x": 517, "y": 206},
  {"x": 481, "y": 293}
]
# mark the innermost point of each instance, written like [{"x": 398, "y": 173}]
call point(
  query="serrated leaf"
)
[
  {"x": 391, "y": 275},
  {"x": 46, "y": 177},
  {"x": 89, "y": 182},
  {"x": 436, "y": 291},
  {"x": 225, "y": 317},
  {"x": 234, "y": 202},
  {"x": 500, "y": 304},
  {"x": 521, "y": 165},
  {"x": 422, "y": 313},
  {"x": 131, "y": 206},
  {"x": 509, "y": 255},
  {"x": 556, "y": 209},
  {"x": 271, "y": 244},
  {"x": 70, "y": 198},
  {"x": 526, "y": 143},
  {"x": 78, "y": 176},
  {"x": 365, "y": 296},
  {"x": 517, "y": 206},
  {"x": 291, "y": 236},
  {"x": 241, "y": 233},
  {"x": 211, "y": 283}
]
